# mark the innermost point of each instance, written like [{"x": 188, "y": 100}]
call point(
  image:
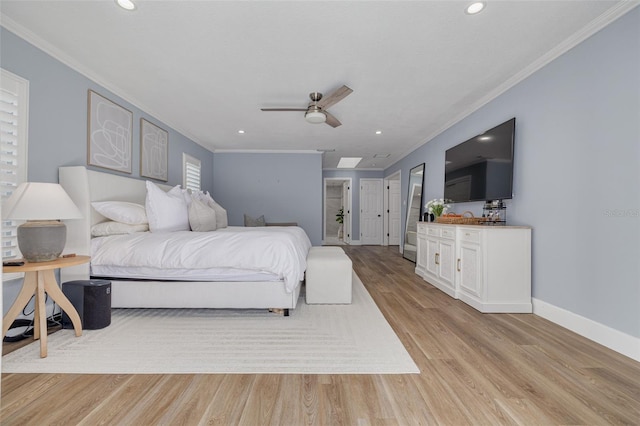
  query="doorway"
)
[{"x": 337, "y": 211}]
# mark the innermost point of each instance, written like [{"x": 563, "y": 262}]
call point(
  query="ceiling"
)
[{"x": 206, "y": 68}]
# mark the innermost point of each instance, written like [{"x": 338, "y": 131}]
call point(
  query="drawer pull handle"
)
[
  {"x": 458, "y": 265},
  {"x": 437, "y": 258}
]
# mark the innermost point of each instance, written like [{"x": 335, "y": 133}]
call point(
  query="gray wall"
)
[
  {"x": 576, "y": 177},
  {"x": 58, "y": 116},
  {"x": 282, "y": 187}
]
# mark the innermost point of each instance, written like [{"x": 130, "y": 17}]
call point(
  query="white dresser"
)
[{"x": 487, "y": 267}]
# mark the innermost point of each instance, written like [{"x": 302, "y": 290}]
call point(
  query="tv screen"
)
[{"x": 481, "y": 168}]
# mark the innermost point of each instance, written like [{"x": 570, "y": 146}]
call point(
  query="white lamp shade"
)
[{"x": 40, "y": 201}]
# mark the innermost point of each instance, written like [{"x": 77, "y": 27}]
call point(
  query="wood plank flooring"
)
[{"x": 486, "y": 369}]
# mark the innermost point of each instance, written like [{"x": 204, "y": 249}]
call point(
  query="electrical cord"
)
[{"x": 54, "y": 320}]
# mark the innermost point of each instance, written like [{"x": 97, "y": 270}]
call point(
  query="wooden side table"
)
[{"x": 39, "y": 278}]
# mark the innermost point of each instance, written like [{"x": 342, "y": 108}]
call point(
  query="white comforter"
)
[{"x": 277, "y": 250}]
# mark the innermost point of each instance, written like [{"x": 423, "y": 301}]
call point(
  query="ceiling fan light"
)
[
  {"x": 126, "y": 4},
  {"x": 315, "y": 117}
]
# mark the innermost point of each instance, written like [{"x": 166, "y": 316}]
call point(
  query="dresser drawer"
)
[
  {"x": 433, "y": 231},
  {"x": 469, "y": 235},
  {"x": 422, "y": 229},
  {"x": 448, "y": 233}
]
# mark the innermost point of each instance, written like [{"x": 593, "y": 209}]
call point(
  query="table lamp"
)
[{"x": 43, "y": 237}]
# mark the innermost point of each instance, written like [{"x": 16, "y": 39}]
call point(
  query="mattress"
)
[
  {"x": 208, "y": 274},
  {"x": 230, "y": 254}
]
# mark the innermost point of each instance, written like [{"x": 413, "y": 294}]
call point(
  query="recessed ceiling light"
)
[
  {"x": 381, "y": 155},
  {"x": 241, "y": 132},
  {"x": 475, "y": 7},
  {"x": 485, "y": 138},
  {"x": 348, "y": 162},
  {"x": 126, "y": 4},
  {"x": 378, "y": 132}
]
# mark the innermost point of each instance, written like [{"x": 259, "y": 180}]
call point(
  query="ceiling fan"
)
[{"x": 317, "y": 112}]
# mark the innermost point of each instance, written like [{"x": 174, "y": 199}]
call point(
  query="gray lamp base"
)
[{"x": 42, "y": 241}]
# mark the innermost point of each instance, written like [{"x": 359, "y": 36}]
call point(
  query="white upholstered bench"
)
[{"x": 328, "y": 276}]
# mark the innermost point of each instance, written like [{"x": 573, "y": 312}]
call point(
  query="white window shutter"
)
[
  {"x": 191, "y": 173},
  {"x": 14, "y": 96}
]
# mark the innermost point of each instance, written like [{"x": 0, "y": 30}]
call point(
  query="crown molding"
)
[
  {"x": 59, "y": 55},
  {"x": 593, "y": 27}
]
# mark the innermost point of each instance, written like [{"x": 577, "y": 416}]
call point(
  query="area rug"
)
[{"x": 314, "y": 339}]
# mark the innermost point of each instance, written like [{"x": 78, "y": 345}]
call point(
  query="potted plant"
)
[{"x": 437, "y": 207}]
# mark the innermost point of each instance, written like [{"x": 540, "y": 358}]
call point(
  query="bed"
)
[{"x": 259, "y": 290}]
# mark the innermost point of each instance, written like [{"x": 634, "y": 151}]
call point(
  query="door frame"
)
[
  {"x": 385, "y": 232},
  {"x": 348, "y": 207}
]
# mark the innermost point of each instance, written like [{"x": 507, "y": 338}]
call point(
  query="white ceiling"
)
[{"x": 207, "y": 67}]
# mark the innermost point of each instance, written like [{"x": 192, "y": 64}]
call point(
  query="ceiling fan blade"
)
[
  {"x": 331, "y": 120},
  {"x": 334, "y": 97},
  {"x": 283, "y": 109}
]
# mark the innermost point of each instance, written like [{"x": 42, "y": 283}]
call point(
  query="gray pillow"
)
[
  {"x": 250, "y": 221},
  {"x": 202, "y": 218}
]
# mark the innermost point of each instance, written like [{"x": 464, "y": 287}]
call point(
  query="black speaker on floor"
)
[{"x": 92, "y": 300}]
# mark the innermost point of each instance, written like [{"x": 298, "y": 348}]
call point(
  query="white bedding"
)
[{"x": 277, "y": 251}]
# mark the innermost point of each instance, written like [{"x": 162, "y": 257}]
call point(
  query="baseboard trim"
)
[{"x": 609, "y": 337}]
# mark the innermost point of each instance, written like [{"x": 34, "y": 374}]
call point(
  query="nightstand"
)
[{"x": 39, "y": 278}]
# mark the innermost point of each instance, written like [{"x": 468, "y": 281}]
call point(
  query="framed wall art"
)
[
  {"x": 154, "y": 149},
  {"x": 109, "y": 130}
]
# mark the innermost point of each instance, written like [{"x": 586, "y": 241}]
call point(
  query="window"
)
[
  {"x": 14, "y": 96},
  {"x": 190, "y": 172}
]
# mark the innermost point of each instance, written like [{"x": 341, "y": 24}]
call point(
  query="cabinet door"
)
[
  {"x": 469, "y": 267},
  {"x": 447, "y": 263},
  {"x": 421, "y": 258},
  {"x": 431, "y": 254}
]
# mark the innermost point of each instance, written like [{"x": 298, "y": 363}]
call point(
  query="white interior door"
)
[
  {"x": 395, "y": 201},
  {"x": 346, "y": 197},
  {"x": 371, "y": 206}
]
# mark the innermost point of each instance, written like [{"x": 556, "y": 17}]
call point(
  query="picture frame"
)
[
  {"x": 109, "y": 134},
  {"x": 154, "y": 151}
]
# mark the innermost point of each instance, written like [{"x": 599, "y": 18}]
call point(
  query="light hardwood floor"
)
[{"x": 475, "y": 368}]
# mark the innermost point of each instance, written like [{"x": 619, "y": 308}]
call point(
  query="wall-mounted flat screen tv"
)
[{"x": 481, "y": 168}]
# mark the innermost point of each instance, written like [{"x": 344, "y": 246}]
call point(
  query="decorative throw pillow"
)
[
  {"x": 202, "y": 218},
  {"x": 222, "y": 220},
  {"x": 250, "y": 221},
  {"x": 122, "y": 211},
  {"x": 104, "y": 229},
  {"x": 166, "y": 211}
]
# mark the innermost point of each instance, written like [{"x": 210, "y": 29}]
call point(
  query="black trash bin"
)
[{"x": 92, "y": 300}]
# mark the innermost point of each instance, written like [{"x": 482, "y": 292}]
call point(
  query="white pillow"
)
[
  {"x": 104, "y": 229},
  {"x": 166, "y": 211},
  {"x": 221, "y": 214},
  {"x": 121, "y": 211},
  {"x": 202, "y": 218}
]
